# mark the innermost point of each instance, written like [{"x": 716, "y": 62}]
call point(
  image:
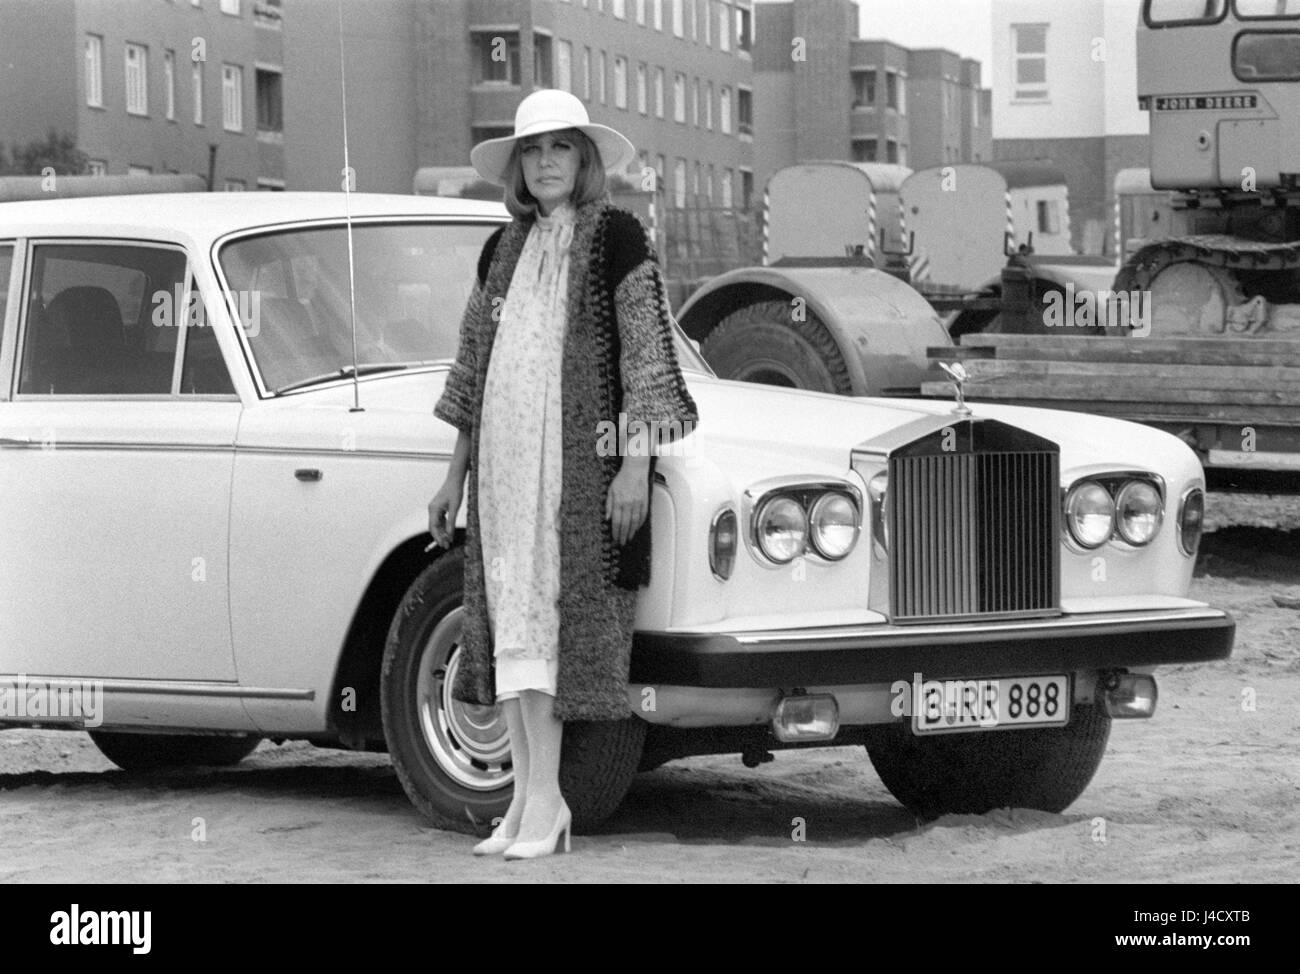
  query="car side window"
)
[
  {"x": 102, "y": 319},
  {"x": 204, "y": 372},
  {"x": 6, "y": 265}
]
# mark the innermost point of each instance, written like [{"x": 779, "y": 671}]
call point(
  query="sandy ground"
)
[{"x": 1207, "y": 791}]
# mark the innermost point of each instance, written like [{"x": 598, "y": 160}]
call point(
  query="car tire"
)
[
  {"x": 156, "y": 752},
  {"x": 765, "y": 343},
  {"x": 1044, "y": 768},
  {"x": 452, "y": 758}
]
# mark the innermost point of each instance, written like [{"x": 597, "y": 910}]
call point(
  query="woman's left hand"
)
[{"x": 628, "y": 500}]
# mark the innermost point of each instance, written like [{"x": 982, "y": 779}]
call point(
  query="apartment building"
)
[
  {"x": 1065, "y": 80},
  {"x": 150, "y": 86},
  {"x": 675, "y": 76},
  {"x": 824, "y": 92}
]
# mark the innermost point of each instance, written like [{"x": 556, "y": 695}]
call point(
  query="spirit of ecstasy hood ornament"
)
[{"x": 959, "y": 375}]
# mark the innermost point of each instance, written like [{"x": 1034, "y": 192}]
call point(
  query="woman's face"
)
[{"x": 550, "y": 164}]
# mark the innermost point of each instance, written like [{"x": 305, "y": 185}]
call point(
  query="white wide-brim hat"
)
[{"x": 551, "y": 110}]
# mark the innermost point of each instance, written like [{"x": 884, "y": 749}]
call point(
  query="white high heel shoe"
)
[
  {"x": 548, "y": 845},
  {"x": 496, "y": 842}
]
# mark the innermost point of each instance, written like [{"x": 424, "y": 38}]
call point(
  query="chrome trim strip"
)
[
  {"x": 23, "y": 443},
  {"x": 910, "y": 633},
  {"x": 179, "y": 688}
]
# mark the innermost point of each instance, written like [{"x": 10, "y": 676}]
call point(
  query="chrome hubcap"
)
[{"x": 469, "y": 742}]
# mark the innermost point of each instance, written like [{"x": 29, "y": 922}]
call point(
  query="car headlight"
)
[
  {"x": 1191, "y": 518},
  {"x": 781, "y": 528},
  {"x": 833, "y": 525},
  {"x": 1139, "y": 512},
  {"x": 1090, "y": 514}
]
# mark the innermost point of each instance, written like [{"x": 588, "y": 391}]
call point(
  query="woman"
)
[{"x": 566, "y": 328}]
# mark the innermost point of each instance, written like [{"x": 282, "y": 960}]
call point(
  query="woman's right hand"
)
[{"x": 442, "y": 512}]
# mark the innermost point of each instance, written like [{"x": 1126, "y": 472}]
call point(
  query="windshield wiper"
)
[{"x": 341, "y": 373}]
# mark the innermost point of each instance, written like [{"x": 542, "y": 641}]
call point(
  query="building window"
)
[
  {"x": 706, "y": 14},
  {"x": 1049, "y": 218},
  {"x": 169, "y": 84},
  {"x": 564, "y": 66},
  {"x": 640, "y": 12},
  {"x": 746, "y": 189},
  {"x": 230, "y": 7},
  {"x": 659, "y": 92},
  {"x": 692, "y": 18},
  {"x": 864, "y": 88},
  {"x": 196, "y": 83},
  {"x": 1029, "y": 56},
  {"x": 270, "y": 101},
  {"x": 94, "y": 71},
  {"x": 891, "y": 151},
  {"x": 708, "y": 184},
  {"x": 601, "y": 71},
  {"x": 678, "y": 18},
  {"x": 726, "y": 188},
  {"x": 497, "y": 58},
  {"x": 744, "y": 111},
  {"x": 679, "y": 97},
  {"x": 661, "y": 168},
  {"x": 542, "y": 61},
  {"x": 586, "y": 74},
  {"x": 708, "y": 106},
  {"x": 137, "y": 79},
  {"x": 724, "y": 111},
  {"x": 620, "y": 9},
  {"x": 864, "y": 150},
  {"x": 891, "y": 90},
  {"x": 695, "y": 184},
  {"x": 620, "y": 81},
  {"x": 975, "y": 108},
  {"x": 642, "y": 92},
  {"x": 695, "y": 102},
  {"x": 96, "y": 167},
  {"x": 902, "y": 155},
  {"x": 232, "y": 98},
  {"x": 902, "y": 93},
  {"x": 679, "y": 183},
  {"x": 724, "y": 27},
  {"x": 744, "y": 26},
  {"x": 658, "y": 14}
]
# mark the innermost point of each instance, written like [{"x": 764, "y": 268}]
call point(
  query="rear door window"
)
[{"x": 103, "y": 319}]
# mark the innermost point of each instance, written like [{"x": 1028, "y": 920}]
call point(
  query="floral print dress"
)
[{"x": 519, "y": 462}]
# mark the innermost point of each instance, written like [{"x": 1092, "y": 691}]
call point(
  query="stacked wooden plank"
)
[{"x": 1242, "y": 379}]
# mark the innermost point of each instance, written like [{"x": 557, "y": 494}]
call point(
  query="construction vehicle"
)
[
  {"x": 1210, "y": 241},
  {"x": 866, "y": 266}
]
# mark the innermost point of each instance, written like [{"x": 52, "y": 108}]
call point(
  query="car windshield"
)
[{"x": 413, "y": 281}]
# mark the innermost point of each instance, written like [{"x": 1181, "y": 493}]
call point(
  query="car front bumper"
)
[{"x": 856, "y": 655}]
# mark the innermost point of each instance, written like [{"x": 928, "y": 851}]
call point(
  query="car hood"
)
[{"x": 749, "y": 431}]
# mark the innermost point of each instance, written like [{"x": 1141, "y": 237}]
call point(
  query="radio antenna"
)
[{"x": 347, "y": 212}]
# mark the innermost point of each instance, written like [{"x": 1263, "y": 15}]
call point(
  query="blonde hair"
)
[{"x": 588, "y": 184}]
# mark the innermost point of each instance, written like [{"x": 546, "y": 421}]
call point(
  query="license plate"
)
[{"x": 950, "y": 706}]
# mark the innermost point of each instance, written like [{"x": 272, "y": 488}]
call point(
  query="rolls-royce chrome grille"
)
[{"x": 973, "y": 534}]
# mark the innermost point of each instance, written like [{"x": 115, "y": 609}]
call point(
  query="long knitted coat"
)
[{"x": 618, "y": 357}]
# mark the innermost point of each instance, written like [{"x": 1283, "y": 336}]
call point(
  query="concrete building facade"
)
[
  {"x": 823, "y": 92},
  {"x": 159, "y": 86},
  {"x": 1065, "y": 78}
]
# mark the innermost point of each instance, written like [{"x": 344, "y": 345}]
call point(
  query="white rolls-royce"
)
[{"x": 214, "y": 531}]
